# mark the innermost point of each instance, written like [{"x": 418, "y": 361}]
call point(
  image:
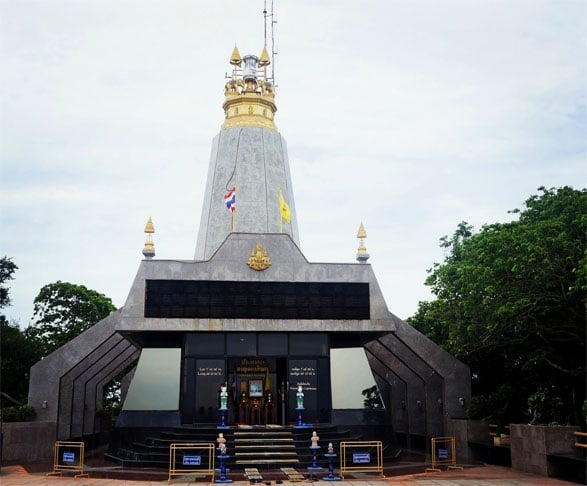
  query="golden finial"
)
[
  {"x": 149, "y": 249},
  {"x": 264, "y": 61},
  {"x": 361, "y": 233},
  {"x": 264, "y": 58},
  {"x": 149, "y": 228},
  {"x": 249, "y": 93},
  {"x": 235, "y": 58},
  {"x": 362, "y": 255}
]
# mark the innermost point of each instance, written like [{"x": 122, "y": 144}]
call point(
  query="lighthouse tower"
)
[{"x": 249, "y": 188}]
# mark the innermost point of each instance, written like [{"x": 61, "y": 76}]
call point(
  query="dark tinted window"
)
[{"x": 256, "y": 300}]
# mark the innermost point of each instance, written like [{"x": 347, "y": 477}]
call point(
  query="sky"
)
[{"x": 409, "y": 116}]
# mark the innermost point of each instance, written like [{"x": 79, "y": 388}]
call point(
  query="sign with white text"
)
[
  {"x": 192, "y": 460},
  {"x": 361, "y": 458},
  {"x": 69, "y": 457}
]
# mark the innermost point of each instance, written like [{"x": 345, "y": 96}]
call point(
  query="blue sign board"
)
[
  {"x": 192, "y": 460},
  {"x": 69, "y": 457},
  {"x": 442, "y": 453},
  {"x": 361, "y": 458}
]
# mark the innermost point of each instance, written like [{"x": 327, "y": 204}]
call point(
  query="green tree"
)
[
  {"x": 64, "y": 310},
  {"x": 511, "y": 305},
  {"x": 372, "y": 397},
  {"x": 18, "y": 354},
  {"x": 7, "y": 268}
]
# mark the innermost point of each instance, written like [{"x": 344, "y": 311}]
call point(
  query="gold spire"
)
[
  {"x": 235, "y": 59},
  {"x": 361, "y": 233},
  {"x": 362, "y": 250},
  {"x": 362, "y": 255},
  {"x": 264, "y": 59},
  {"x": 149, "y": 249},
  {"x": 249, "y": 95},
  {"x": 149, "y": 228}
]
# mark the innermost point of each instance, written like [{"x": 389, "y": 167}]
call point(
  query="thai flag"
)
[{"x": 230, "y": 200}]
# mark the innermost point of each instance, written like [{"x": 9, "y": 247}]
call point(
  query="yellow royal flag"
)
[
  {"x": 267, "y": 380},
  {"x": 284, "y": 208}
]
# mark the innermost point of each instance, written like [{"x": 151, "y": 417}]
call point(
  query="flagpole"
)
[
  {"x": 280, "y": 215},
  {"x": 230, "y": 201},
  {"x": 284, "y": 211}
]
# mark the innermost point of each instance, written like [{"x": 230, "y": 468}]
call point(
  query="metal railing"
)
[
  {"x": 443, "y": 454},
  {"x": 191, "y": 459},
  {"x": 68, "y": 457},
  {"x": 361, "y": 456},
  {"x": 578, "y": 434}
]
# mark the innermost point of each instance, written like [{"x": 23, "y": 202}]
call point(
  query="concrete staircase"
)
[
  {"x": 264, "y": 447},
  {"x": 272, "y": 447}
]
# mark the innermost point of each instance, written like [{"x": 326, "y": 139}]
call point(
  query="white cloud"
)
[{"x": 409, "y": 116}]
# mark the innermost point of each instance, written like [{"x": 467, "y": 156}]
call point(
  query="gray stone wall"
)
[
  {"x": 428, "y": 386},
  {"x": 25, "y": 442},
  {"x": 66, "y": 386},
  {"x": 465, "y": 431},
  {"x": 530, "y": 445}
]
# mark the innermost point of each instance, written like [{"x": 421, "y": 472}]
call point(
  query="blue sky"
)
[{"x": 408, "y": 116}]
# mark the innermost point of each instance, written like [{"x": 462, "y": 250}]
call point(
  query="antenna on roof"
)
[
  {"x": 265, "y": 21},
  {"x": 273, "y": 22}
]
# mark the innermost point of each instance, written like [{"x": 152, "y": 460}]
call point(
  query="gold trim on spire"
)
[
  {"x": 361, "y": 233},
  {"x": 264, "y": 58},
  {"x": 235, "y": 58},
  {"x": 149, "y": 248},
  {"x": 362, "y": 250},
  {"x": 362, "y": 255},
  {"x": 149, "y": 228},
  {"x": 249, "y": 94}
]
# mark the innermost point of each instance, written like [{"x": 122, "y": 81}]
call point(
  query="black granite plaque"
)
[
  {"x": 304, "y": 373},
  {"x": 256, "y": 300},
  {"x": 210, "y": 374}
]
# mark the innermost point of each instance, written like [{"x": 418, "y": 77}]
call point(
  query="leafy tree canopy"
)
[
  {"x": 510, "y": 303},
  {"x": 64, "y": 310},
  {"x": 18, "y": 355},
  {"x": 7, "y": 268}
]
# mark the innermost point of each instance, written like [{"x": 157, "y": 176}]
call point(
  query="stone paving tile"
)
[{"x": 477, "y": 476}]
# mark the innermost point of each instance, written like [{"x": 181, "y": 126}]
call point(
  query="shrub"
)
[
  {"x": 372, "y": 397},
  {"x": 24, "y": 413},
  {"x": 546, "y": 409}
]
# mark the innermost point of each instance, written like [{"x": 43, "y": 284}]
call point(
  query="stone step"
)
[
  {"x": 267, "y": 461},
  {"x": 259, "y": 445},
  {"x": 266, "y": 446},
  {"x": 264, "y": 454},
  {"x": 263, "y": 440},
  {"x": 262, "y": 434}
]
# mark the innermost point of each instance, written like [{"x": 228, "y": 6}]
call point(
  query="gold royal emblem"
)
[{"x": 259, "y": 259}]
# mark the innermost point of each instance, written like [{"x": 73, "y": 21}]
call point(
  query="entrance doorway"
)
[
  {"x": 257, "y": 391},
  {"x": 261, "y": 371}
]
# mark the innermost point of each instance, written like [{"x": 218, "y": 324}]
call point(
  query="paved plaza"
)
[{"x": 470, "y": 476}]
